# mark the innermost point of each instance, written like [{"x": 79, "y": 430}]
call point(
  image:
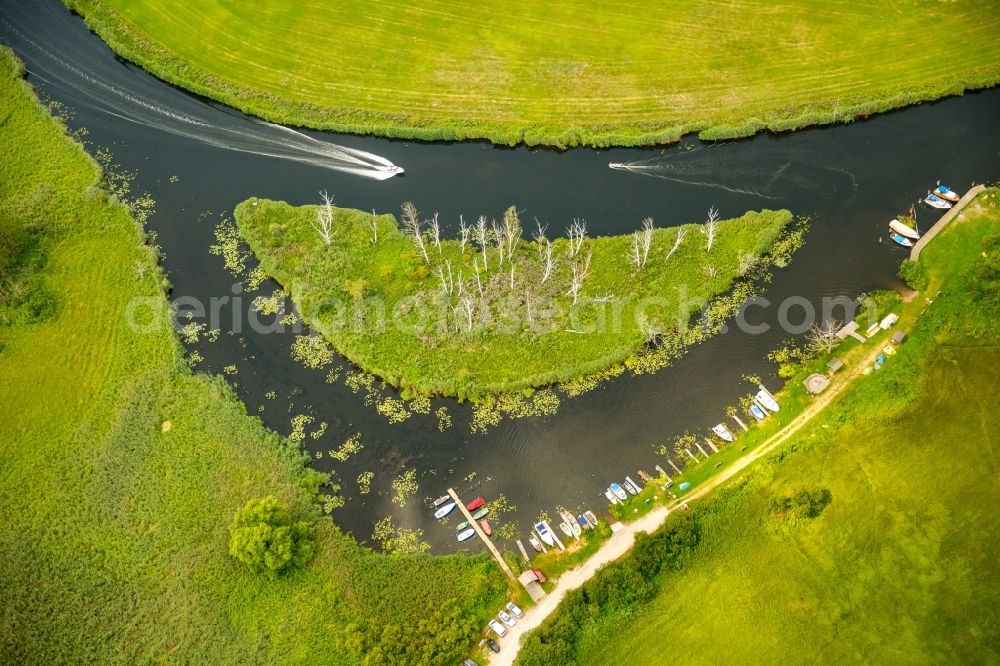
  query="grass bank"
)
[
  {"x": 557, "y": 74},
  {"x": 896, "y": 564},
  {"x": 120, "y": 470},
  {"x": 475, "y": 319}
]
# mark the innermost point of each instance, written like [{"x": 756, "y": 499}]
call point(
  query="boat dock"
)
[
  {"x": 943, "y": 222},
  {"x": 474, "y": 524}
]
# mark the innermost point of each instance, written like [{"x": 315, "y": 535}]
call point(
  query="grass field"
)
[
  {"x": 385, "y": 307},
  {"x": 114, "y": 535},
  {"x": 559, "y": 74},
  {"x": 899, "y": 568}
]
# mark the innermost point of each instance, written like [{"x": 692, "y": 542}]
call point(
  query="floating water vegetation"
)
[
  {"x": 404, "y": 487},
  {"x": 443, "y": 418},
  {"x": 399, "y": 540},
  {"x": 312, "y": 351},
  {"x": 350, "y": 446},
  {"x": 299, "y": 423},
  {"x": 365, "y": 482}
]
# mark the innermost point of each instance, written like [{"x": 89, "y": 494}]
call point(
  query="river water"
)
[{"x": 195, "y": 156}]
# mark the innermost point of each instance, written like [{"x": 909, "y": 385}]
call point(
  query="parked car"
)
[
  {"x": 507, "y": 619},
  {"x": 514, "y": 610},
  {"x": 498, "y": 628},
  {"x": 539, "y": 575},
  {"x": 492, "y": 644}
]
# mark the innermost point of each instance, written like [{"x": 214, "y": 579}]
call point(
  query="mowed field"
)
[
  {"x": 901, "y": 567},
  {"x": 559, "y": 73}
]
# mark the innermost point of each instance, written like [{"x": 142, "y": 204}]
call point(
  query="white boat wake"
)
[{"x": 208, "y": 124}]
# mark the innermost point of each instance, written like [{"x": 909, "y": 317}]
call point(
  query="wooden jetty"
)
[
  {"x": 524, "y": 553},
  {"x": 474, "y": 524}
]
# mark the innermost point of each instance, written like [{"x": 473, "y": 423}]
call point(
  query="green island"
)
[
  {"x": 491, "y": 313},
  {"x": 865, "y": 537},
  {"x": 122, "y": 470},
  {"x": 557, "y": 74}
]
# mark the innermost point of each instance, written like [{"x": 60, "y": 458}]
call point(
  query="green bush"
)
[
  {"x": 803, "y": 503},
  {"x": 266, "y": 538},
  {"x": 913, "y": 274}
]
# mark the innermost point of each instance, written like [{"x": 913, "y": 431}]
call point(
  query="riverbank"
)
[
  {"x": 496, "y": 314},
  {"x": 883, "y": 407},
  {"x": 122, "y": 469},
  {"x": 596, "y": 76}
]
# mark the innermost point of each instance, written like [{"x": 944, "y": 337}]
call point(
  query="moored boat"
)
[
  {"x": 722, "y": 431},
  {"x": 484, "y": 525},
  {"x": 757, "y": 412},
  {"x": 467, "y": 534},
  {"x": 765, "y": 398},
  {"x": 619, "y": 493},
  {"x": 900, "y": 240},
  {"x": 943, "y": 192},
  {"x": 628, "y": 480},
  {"x": 591, "y": 518},
  {"x": 461, "y": 526},
  {"x": 583, "y": 522},
  {"x": 629, "y": 488},
  {"x": 475, "y": 504},
  {"x": 611, "y": 497},
  {"x": 441, "y": 500},
  {"x": 444, "y": 510},
  {"x": 904, "y": 230},
  {"x": 935, "y": 201},
  {"x": 544, "y": 534},
  {"x": 566, "y": 529},
  {"x": 481, "y": 512},
  {"x": 535, "y": 543}
]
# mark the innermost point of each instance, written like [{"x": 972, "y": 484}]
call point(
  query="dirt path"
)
[{"x": 620, "y": 542}]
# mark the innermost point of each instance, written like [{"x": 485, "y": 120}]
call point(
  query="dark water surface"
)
[{"x": 850, "y": 179}]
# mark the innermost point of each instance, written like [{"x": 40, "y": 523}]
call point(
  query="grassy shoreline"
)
[
  {"x": 401, "y": 316},
  {"x": 121, "y": 469},
  {"x": 682, "y": 69}
]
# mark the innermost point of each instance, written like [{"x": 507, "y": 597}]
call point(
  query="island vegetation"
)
[
  {"x": 863, "y": 539},
  {"x": 127, "y": 479},
  {"x": 490, "y": 312},
  {"x": 558, "y": 74}
]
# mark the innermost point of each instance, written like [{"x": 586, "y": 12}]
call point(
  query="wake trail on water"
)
[{"x": 204, "y": 124}]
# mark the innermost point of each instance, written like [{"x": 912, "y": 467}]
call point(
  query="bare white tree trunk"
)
[
  {"x": 483, "y": 238},
  {"x": 512, "y": 275},
  {"x": 469, "y": 310},
  {"x": 747, "y": 261},
  {"x": 709, "y": 227},
  {"x": 463, "y": 232},
  {"x": 511, "y": 230},
  {"x": 436, "y": 232},
  {"x": 576, "y": 232},
  {"x": 323, "y": 224},
  {"x": 823, "y": 337},
  {"x": 479, "y": 282},
  {"x": 681, "y": 233},
  {"x": 411, "y": 221},
  {"x": 635, "y": 254},
  {"x": 497, "y": 235},
  {"x": 374, "y": 225},
  {"x": 579, "y": 274},
  {"x": 549, "y": 261}
]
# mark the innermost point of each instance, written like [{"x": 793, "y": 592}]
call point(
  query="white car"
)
[
  {"x": 498, "y": 628},
  {"x": 514, "y": 610},
  {"x": 507, "y": 619}
]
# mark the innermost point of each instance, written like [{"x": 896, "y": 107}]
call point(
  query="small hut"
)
[
  {"x": 834, "y": 365},
  {"x": 898, "y": 337}
]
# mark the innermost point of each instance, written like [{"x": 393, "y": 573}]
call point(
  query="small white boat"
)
[
  {"x": 611, "y": 497},
  {"x": 441, "y": 500},
  {"x": 591, "y": 518},
  {"x": 628, "y": 480},
  {"x": 393, "y": 169},
  {"x": 722, "y": 431},
  {"x": 943, "y": 192},
  {"x": 900, "y": 240},
  {"x": 444, "y": 510},
  {"x": 630, "y": 488},
  {"x": 616, "y": 165},
  {"x": 764, "y": 398},
  {"x": 544, "y": 534},
  {"x": 565, "y": 529},
  {"x": 935, "y": 201},
  {"x": 535, "y": 543},
  {"x": 466, "y": 535},
  {"x": 757, "y": 412},
  {"x": 904, "y": 230},
  {"x": 619, "y": 493},
  {"x": 574, "y": 529}
]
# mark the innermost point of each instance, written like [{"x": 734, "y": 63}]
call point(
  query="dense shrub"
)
[
  {"x": 803, "y": 503},
  {"x": 986, "y": 285},
  {"x": 913, "y": 274},
  {"x": 266, "y": 538}
]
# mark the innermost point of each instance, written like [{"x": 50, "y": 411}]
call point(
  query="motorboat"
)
[
  {"x": 441, "y": 500},
  {"x": 616, "y": 165},
  {"x": 766, "y": 399},
  {"x": 757, "y": 412},
  {"x": 582, "y": 520},
  {"x": 591, "y": 518},
  {"x": 475, "y": 504},
  {"x": 935, "y": 201},
  {"x": 904, "y": 230},
  {"x": 900, "y": 240},
  {"x": 611, "y": 497},
  {"x": 466, "y": 535},
  {"x": 619, "y": 493},
  {"x": 722, "y": 431},
  {"x": 535, "y": 543},
  {"x": 393, "y": 170},
  {"x": 544, "y": 533},
  {"x": 444, "y": 510},
  {"x": 943, "y": 192}
]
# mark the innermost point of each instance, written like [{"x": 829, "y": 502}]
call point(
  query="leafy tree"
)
[
  {"x": 913, "y": 274},
  {"x": 264, "y": 536},
  {"x": 803, "y": 503}
]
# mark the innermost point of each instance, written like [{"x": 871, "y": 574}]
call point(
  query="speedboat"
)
[
  {"x": 619, "y": 493},
  {"x": 904, "y": 230},
  {"x": 481, "y": 513},
  {"x": 535, "y": 543},
  {"x": 765, "y": 398},
  {"x": 899, "y": 240},
  {"x": 629, "y": 481},
  {"x": 591, "y": 518},
  {"x": 611, "y": 497},
  {"x": 616, "y": 165},
  {"x": 393, "y": 169},
  {"x": 466, "y": 535},
  {"x": 444, "y": 510},
  {"x": 544, "y": 534},
  {"x": 722, "y": 431},
  {"x": 441, "y": 500},
  {"x": 475, "y": 504},
  {"x": 757, "y": 412},
  {"x": 943, "y": 192},
  {"x": 936, "y": 201},
  {"x": 566, "y": 529}
]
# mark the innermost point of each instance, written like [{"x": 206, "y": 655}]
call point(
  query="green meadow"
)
[
  {"x": 121, "y": 470},
  {"x": 896, "y": 565},
  {"x": 560, "y": 74},
  {"x": 476, "y": 319}
]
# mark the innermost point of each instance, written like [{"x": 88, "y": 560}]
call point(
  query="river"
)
[{"x": 196, "y": 156}]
